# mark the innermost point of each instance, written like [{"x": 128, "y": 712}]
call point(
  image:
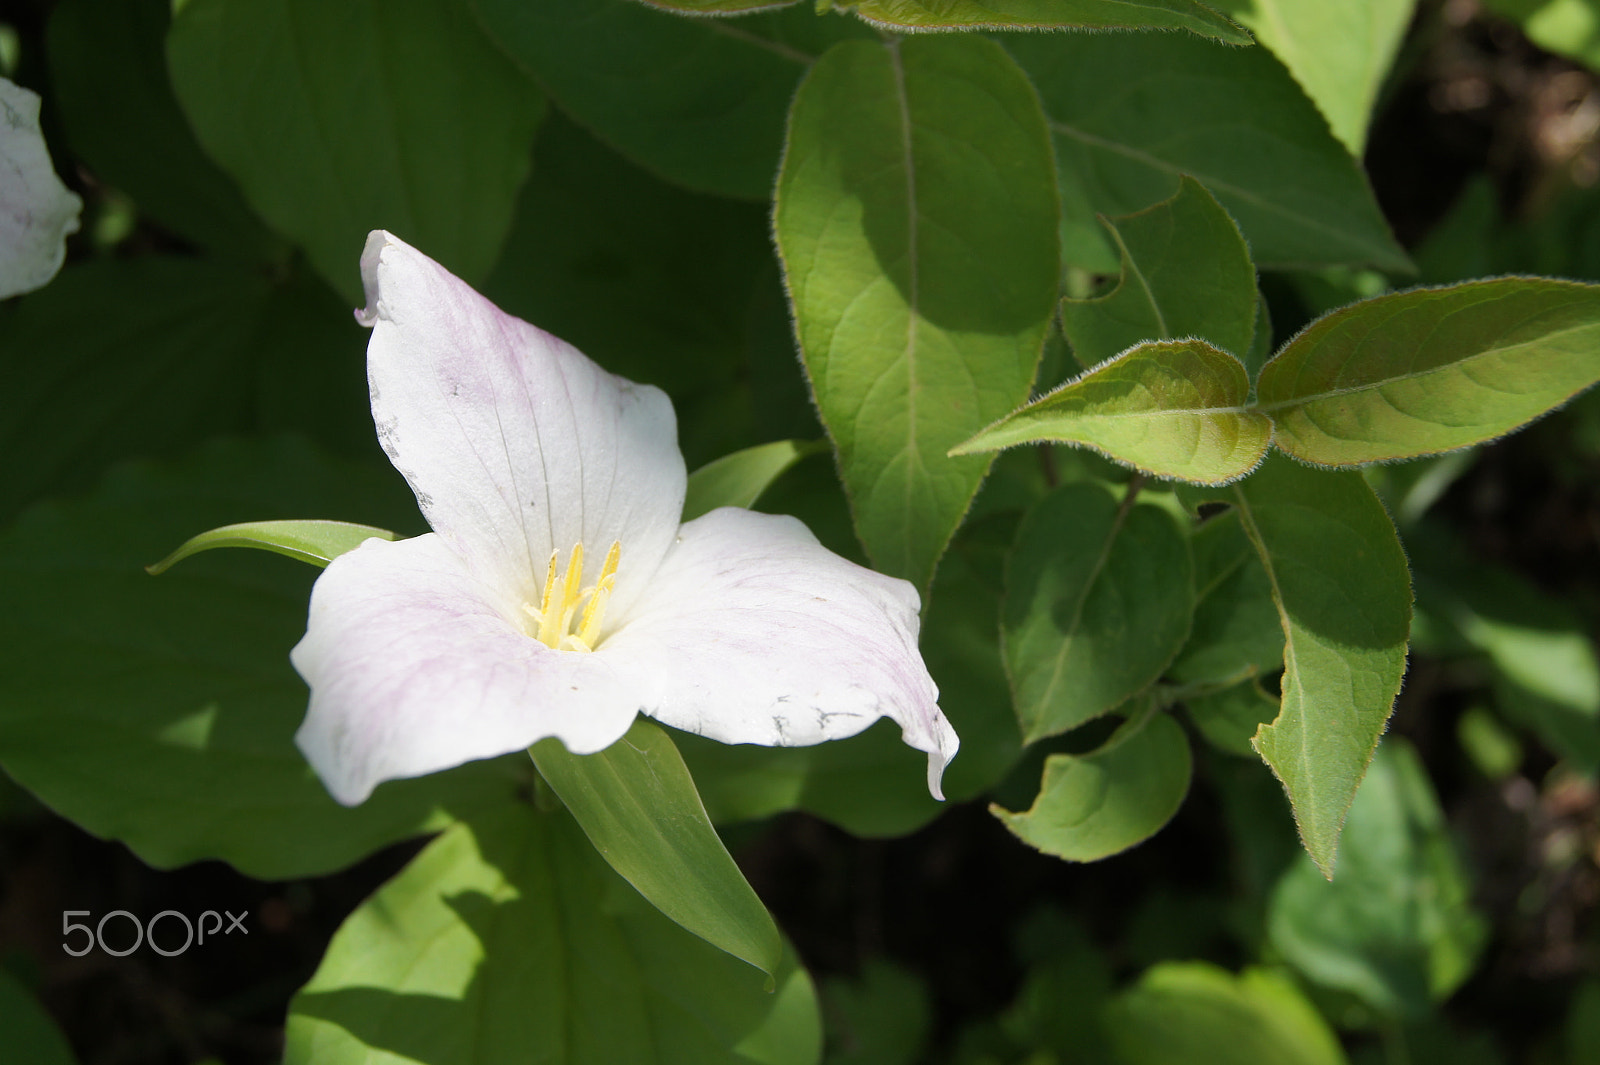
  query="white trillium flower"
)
[
  {"x": 36, "y": 209},
  {"x": 558, "y": 595}
]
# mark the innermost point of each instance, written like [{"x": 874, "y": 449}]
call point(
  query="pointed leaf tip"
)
[{"x": 313, "y": 541}]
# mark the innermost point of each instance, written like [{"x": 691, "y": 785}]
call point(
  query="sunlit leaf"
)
[{"x": 316, "y": 542}]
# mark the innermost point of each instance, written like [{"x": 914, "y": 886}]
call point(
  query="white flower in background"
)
[
  {"x": 36, "y": 210},
  {"x": 558, "y": 595}
]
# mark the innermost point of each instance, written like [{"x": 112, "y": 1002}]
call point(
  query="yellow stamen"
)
[
  {"x": 589, "y": 627},
  {"x": 564, "y": 593}
]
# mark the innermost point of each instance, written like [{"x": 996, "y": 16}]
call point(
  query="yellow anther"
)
[
  {"x": 594, "y": 613},
  {"x": 564, "y": 593}
]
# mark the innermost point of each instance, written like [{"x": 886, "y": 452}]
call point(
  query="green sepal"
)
[
  {"x": 737, "y": 480},
  {"x": 313, "y": 541}
]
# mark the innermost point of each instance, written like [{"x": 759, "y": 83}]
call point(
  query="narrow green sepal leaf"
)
[
  {"x": 1172, "y": 408},
  {"x": 639, "y": 807},
  {"x": 923, "y": 277},
  {"x": 1095, "y": 805},
  {"x": 959, "y": 15},
  {"x": 1186, "y": 272},
  {"x": 316, "y": 542},
  {"x": 1430, "y": 370},
  {"x": 737, "y": 480},
  {"x": 1343, "y": 592},
  {"x": 1098, "y": 600}
]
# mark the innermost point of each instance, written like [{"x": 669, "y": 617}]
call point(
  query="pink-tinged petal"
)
[
  {"x": 413, "y": 668},
  {"x": 514, "y": 442},
  {"x": 36, "y": 210},
  {"x": 753, "y": 632}
]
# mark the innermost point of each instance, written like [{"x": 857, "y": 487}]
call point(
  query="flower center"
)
[{"x": 564, "y": 593}]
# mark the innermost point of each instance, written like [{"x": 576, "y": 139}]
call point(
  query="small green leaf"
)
[
  {"x": 509, "y": 940},
  {"x": 398, "y": 116},
  {"x": 1343, "y": 592},
  {"x": 31, "y": 1034},
  {"x": 1396, "y": 925},
  {"x": 1338, "y": 52},
  {"x": 316, "y": 542},
  {"x": 1172, "y": 408},
  {"x": 923, "y": 274},
  {"x": 737, "y": 480},
  {"x": 1232, "y": 118},
  {"x": 1415, "y": 373},
  {"x": 637, "y": 803},
  {"x": 1099, "y": 598},
  {"x": 1186, "y": 273},
  {"x": 1092, "y": 806},
  {"x": 1194, "y": 1011},
  {"x": 1050, "y": 15}
]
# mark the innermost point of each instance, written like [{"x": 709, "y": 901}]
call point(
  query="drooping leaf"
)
[
  {"x": 1186, "y": 273},
  {"x": 509, "y": 940},
  {"x": 1338, "y": 52},
  {"x": 1094, "y": 805},
  {"x": 1430, "y": 370},
  {"x": 1343, "y": 592},
  {"x": 1173, "y": 408},
  {"x": 109, "y": 75},
  {"x": 1131, "y": 112},
  {"x": 1194, "y": 1011},
  {"x": 1396, "y": 926},
  {"x": 923, "y": 277},
  {"x": 161, "y": 711},
  {"x": 698, "y": 101},
  {"x": 316, "y": 542},
  {"x": 737, "y": 480},
  {"x": 398, "y": 116},
  {"x": 637, "y": 803},
  {"x": 1051, "y": 14},
  {"x": 1099, "y": 597}
]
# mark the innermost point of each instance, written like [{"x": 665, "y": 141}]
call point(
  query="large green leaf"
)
[
  {"x": 1185, "y": 273},
  {"x": 1171, "y": 408},
  {"x": 1338, "y": 52},
  {"x": 638, "y": 805},
  {"x": 108, "y": 72},
  {"x": 1414, "y": 373},
  {"x": 923, "y": 275},
  {"x": 698, "y": 101},
  {"x": 1094, "y": 805},
  {"x": 1343, "y": 592},
  {"x": 160, "y": 711},
  {"x": 398, "y": 116},
  {"x": 1131, "y": 112},
  {"x": 509, "y": 940},
  {"x": 1051, "y": 14},
  {"x": 1194, "y": 1011},
  {"x": 1099, "y": 597},
  {"x": 1396, "y": 925}
]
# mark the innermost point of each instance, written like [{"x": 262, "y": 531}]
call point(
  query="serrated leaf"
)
[
  {"x": 1051, "y": 14},
  {"x": 737, "y": 480},
  {"x": 637, "y": 803},
  {"x": 316, "y": 542},
  {"x": 509, "y": 940},
  {"x": 161, "y": 712},
  {"x": 1131, "y": 112},
  {"x": 109, "y": 79},
  {"x": 1396, "y": 926},
  {"x": 1343, "y": 591},
  {"x": 923, "y": 274},
  {"x": 1099, "y": 597},
  {"x": 399, "y": 116},
  {"x": 1170, "y": 408},
  {"x": 1094, "y": 805},
  {"x": 1340, "y": 52},
  {"x": 698, "y": 101},
  {"x": 1186, "y": 273},
  {"x": 1194, "y": 1011},
  {"x": 1415, "y": 373}
]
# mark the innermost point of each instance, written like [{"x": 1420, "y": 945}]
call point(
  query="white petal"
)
[
  {"x": 756, "y": 633},
  {"x": 514, "y": 442},
  {"x": 414, "y": 669},
  {"x": 36, "y": 210}
]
